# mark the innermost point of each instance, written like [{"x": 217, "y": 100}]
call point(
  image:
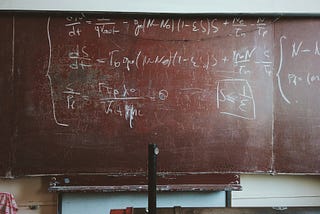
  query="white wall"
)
[
  {"x": 104, "y": 202},
  {"x": 29, "y": 191},
  {"x": 277, "y": 191},
  {"x": 169, "y": 6}
]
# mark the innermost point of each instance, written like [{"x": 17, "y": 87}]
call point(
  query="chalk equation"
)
[
  {"x": 235, "y": 61},
  {"x": 106, "y": 26},
  {"x": 306, "y": 77},
  {"x": 235, "y": 98},
  {"x": 124, "y": 102},
  {"x": 97, "y": 69}
]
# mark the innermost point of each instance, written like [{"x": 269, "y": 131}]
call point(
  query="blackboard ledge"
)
[
  {"x": 144, "y": 188},
  {"x": 169, "y": 183}
]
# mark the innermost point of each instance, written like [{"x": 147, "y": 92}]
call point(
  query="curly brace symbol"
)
[{"x": 49, "y": 77}]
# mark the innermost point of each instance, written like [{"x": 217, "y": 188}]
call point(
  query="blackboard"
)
[
  {"x": 297, "y": 117},
  {"x": 91, "y": 91}
]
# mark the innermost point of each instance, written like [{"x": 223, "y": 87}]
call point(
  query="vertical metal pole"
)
[
  {"x": 228, "y": 198},
  {"x": 59, "y": 205},
  {"x": 153, "y": 151}
]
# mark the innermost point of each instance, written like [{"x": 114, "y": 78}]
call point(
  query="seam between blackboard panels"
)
[
  {"x": 272, "y": 110},
  {"x": 13, "y": 140}
]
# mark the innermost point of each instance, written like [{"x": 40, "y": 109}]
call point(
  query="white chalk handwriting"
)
[
  {"x": 107, "y": 26},
  {"x": 235, "y": 98}
]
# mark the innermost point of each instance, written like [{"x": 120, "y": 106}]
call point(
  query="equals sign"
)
[
  {"x": 101, "y": 60},
  {"x": 306, "y": 50},
  {"x": 89, "y": 22}
]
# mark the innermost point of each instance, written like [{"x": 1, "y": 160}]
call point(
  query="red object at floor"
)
[{"x": 128, "y": 210}]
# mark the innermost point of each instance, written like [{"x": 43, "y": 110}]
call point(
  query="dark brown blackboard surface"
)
[
  {"x": 93, "y": 90},
  {"x": 96, "y": 93},
  {"x": 6, "y": 95},
  {"x": 297, "y": 115}
]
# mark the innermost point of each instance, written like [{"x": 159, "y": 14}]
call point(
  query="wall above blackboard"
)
[
  {"x": 91, "y": 91},
  {"x": 269, "y": 7}
]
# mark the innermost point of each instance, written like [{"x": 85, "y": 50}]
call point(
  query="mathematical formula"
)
[
  {"x": 107, "y": 26},
  {"x": 228, "y": 73}
]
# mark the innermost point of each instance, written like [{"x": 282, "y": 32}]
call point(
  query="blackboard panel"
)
[
  {"x": 297, "y": 116},
  {"x": 96, "y": 90},
  {"x": 6, "y": 95}
]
